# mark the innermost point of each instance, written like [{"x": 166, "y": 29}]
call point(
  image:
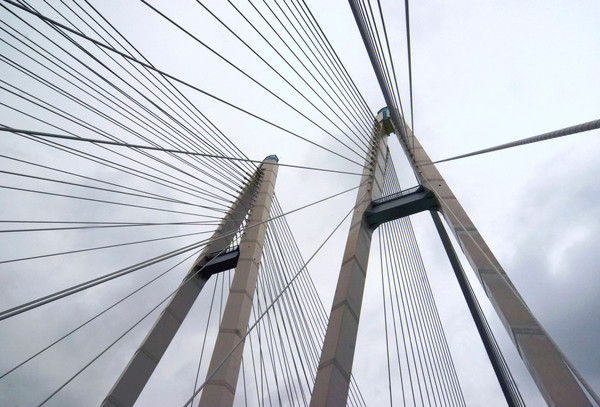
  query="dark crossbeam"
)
[
  {"x": 399, "y": 205},
  {"x": 218, "y": 262}
]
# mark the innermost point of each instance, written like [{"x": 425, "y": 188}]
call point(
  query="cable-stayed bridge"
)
[{"x": 131, "y": 131}]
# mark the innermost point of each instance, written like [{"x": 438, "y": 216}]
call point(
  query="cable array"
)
[
  {"x": 94, "y": 127},
  {"x": 112, "y": 171},
  {"x": 420, "y": 366},
  {"x": 109, "y": 50},
  {"x": 374, "y": 31},
  {"x": 286, "y": 329},
  {"x": 278, "y": 217},
  {"x": 297, "y": 325},
  {"x": 119, "y": 174}
]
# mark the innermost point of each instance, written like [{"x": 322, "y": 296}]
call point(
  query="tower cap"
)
[{"x": 272, "y": 157}]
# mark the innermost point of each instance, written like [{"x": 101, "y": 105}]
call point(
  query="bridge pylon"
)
[
  {"x": 252, "y": 205},
  {"x": 558, "y": 381}
]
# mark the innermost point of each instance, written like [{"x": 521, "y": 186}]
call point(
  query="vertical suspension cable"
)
[{"x": 430, "y": 372}]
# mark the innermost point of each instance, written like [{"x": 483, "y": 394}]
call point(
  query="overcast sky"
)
[{"x": 484, "y": 73}]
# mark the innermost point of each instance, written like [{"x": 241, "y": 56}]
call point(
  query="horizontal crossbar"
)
[
  {"x": 219, "y": 261},
  {"x": 399, "y": 205}
]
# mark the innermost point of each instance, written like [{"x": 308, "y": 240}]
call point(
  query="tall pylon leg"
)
[
  {"x": 476, "y": 313},
  {"x": 223, "y": 370},
  {"x": 139, "y": 369},
  {"x": 335, "y": 367},
  {"x": 545, "y": 362}
]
